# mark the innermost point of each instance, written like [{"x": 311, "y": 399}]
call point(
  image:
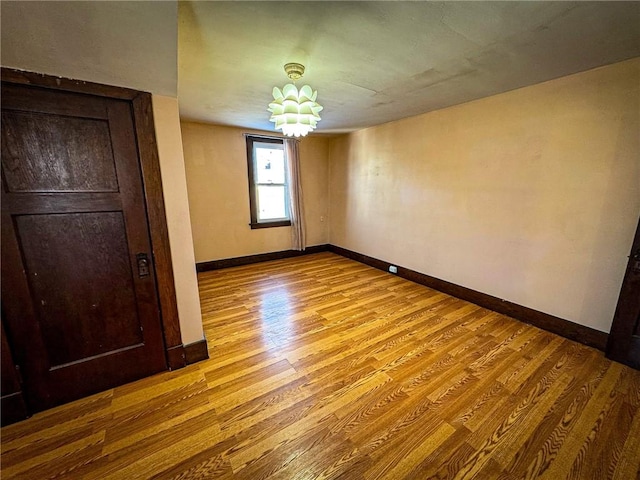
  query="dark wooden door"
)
[
  {"x": 78, "y": 284},
  {"x": 624, "y": 339}
]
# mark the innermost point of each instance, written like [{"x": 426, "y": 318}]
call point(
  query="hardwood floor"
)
[{"x": 322, "y": 367}]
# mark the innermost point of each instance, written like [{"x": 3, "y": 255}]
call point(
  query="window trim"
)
[{"x": 253, "y": 201}]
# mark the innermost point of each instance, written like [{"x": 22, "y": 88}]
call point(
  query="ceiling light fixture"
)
[{"x": 294, "y": 112}]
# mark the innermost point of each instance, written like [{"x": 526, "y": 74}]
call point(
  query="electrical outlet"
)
[
  {"x": 322, "y": 218},
  {"x": 393, "y": 269}
]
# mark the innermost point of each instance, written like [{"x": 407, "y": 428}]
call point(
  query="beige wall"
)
[
  {"x": 532, "y": 196},
  {"x": 174, "y": 186},
  {"x": 128, "y": 43},
  {"x": 216, "y": 166}
]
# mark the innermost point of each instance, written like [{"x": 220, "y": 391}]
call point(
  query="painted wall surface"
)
[
  {"x": 126, "y": 44},
  {"x": 174, "y": 186},
  {"x": 218, "y": 186},
  {"x": 532, "y": 196}
]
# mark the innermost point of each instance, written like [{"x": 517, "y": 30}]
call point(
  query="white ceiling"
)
[
  {"x": 371, "y": 62},
  {"x": 374, "y": 62}
]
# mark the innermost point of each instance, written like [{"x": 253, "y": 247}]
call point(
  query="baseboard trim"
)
[
  {"x": 12, "y": 408},
  {"x": 261, "y": 257},
  {"x": 196, "y": 351},
  {"x": 559, "y": 326},
  {"x": 175, "y": 357}
]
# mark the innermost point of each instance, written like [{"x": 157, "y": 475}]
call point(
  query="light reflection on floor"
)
[{"x": 276, "y": 312}]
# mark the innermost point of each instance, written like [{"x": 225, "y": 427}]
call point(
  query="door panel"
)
[
  {"x": 79, "y": 315},
  {"x": 54, "y": 153},
  {"x": 85, "y": 301},
  {"x": 624, "y": 338}
]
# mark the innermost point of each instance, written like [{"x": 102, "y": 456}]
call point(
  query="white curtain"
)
[{"x": 298, "y": 241}]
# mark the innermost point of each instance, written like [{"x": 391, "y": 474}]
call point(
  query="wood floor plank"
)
[
  {"x": 322, "y": 367},
  {"x": 573, "y": 444},
  {"x": 428, "y": 444},
  {"x": 145, "y": 466},
  {"x": 401, "y": 456},
  {"x": 628, "y": 458},
  {"x": 71, "y": 452},
  {"x": 540, "y": 447}
]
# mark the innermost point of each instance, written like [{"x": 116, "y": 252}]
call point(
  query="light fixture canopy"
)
[{"x": 294, "y": 111}]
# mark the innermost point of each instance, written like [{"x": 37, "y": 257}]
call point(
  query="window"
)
[{"x": 268, "y": 187}]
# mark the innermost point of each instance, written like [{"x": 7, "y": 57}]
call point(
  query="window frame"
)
[{"x": 253, "y": 200}]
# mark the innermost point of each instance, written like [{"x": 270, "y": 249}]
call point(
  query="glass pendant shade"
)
[{"x": 294, "y": 112}]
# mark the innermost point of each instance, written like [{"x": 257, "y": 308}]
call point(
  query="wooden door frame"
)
[
  {"x": 142, "y": 113},
  {"x": 620, "y": 336}
]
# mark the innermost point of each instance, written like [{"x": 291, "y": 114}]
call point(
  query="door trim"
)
[
  {"x": 152, "y": 185},
  {"x": 621, "y": 335}
]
